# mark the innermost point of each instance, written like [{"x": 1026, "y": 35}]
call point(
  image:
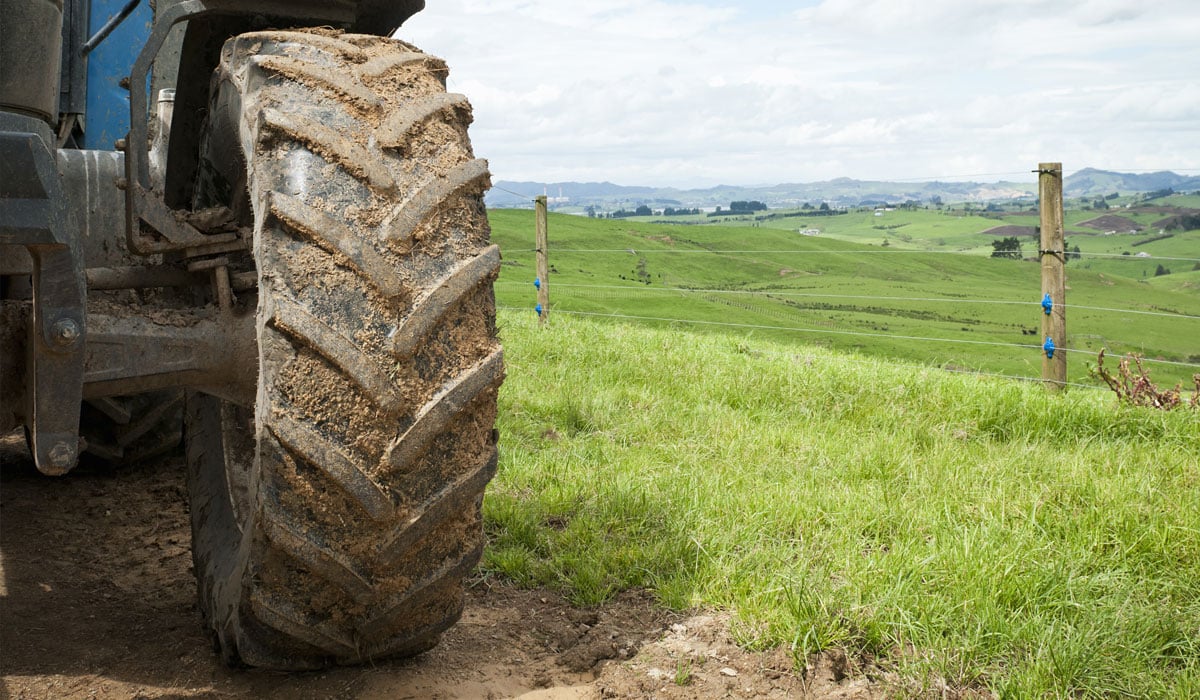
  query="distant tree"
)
[
  {"x": 1184, "y": 222},
  {"x": 1100, "y": 203},
  {"x": 1074, "y": 253},
  {"x": 824, "y": 206},
  {"x": 744, "y": 206},
  {"x": 806, "y": 206},
  {"x": 643, "y": 210},
  {"x": 591, "y": 212},
  {"x": 1007, "y": 248},
  {"x": 936, "y": 200},
  {"x": 1160, "y": 271},
  {"x": 1114, "y": 195}
]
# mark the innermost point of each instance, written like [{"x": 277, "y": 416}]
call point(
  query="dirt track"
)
[{"x": 97, "y": 601}]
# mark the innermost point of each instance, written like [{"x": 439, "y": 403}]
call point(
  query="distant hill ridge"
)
[{"x": 840, "y": 191}]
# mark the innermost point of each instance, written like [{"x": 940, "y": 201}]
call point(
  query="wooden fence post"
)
[
  {"x": 543, "y": 265},
  {"x": 1052, "y": 254}
]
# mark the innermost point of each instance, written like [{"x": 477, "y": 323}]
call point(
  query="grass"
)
[
  {"x": 978, "y": 531},
  {"x": 847, "y": 295}
]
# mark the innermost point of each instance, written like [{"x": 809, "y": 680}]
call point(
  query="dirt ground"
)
[{"x": 97, "y": 601}]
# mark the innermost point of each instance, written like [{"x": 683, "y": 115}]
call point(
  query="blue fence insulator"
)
[
  {"x": 1049, "y": 347},
  {"x": 538, "y": 308},
  {"x": 537, "y": 283},
  {"x": 1047, "y": 304}
]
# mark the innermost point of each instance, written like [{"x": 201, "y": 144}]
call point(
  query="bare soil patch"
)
[
  {"x": 97, "y": 600},
  {"x": 1011, "y": 230},
  {"x": 1112, "y": 222}
]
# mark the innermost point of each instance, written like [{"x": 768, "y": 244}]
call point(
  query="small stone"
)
[
  {"x": 678, "y": 629},
  {"x": 728, "y": 672}
]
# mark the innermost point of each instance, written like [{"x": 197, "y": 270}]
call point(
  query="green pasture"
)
[
  {"x": 919, "y": 299},
  {"x": 965, "y": 534}
]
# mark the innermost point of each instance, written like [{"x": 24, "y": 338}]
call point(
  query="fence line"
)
[
  {"x": 864, "y": 361},
  {"x": 1134, "y": 257},
  {"x": 827, "y": 331},
  {"x": 1130, "y": 357},
  {"x": 796, "y": 329},
  {"x": 634, "y": 251},
  {"x": 515, "y": 194},
  {"x": 689, "y": 251},
  {"x": 862, "y": 297}
]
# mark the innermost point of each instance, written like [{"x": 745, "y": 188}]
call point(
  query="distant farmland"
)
[{"x": 912, "y": 285}]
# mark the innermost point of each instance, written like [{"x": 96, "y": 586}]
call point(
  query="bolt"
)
[
  {"x": 122, "y": 183},
  {"x": 65, "y": 332},
  {"x": 121, "y": 144},
  {"x": 61, "y": 456}
]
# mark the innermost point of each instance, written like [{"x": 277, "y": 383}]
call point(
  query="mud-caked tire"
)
[{"x": 335, "y": 519}]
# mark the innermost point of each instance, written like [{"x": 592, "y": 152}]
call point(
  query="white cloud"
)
[{"x": 701, "y": 92}]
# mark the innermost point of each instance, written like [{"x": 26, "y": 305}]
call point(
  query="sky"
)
[{"x": 696, "y": 93}]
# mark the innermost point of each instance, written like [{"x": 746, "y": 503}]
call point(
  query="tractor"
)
[{"x": 251, "y": 233}]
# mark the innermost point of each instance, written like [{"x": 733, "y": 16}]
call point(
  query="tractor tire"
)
[
  {"x": 335, "y": 520},
  {"x": 126, "y": 430}
]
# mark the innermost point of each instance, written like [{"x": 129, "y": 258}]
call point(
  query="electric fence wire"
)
[
  {"x": 864, "y": 334},
  {"x": 969, "y": 372},
  {"x": 944, "y": 178},
  {"x": 1134, "y": 257},
  {"x": 634, "y": 251},
  {"x": 1130, "y": 357},
  {"x": 794, "y": 329},
  {"x": 859, "y": 297},
  {"x": 515, "y": 194}
]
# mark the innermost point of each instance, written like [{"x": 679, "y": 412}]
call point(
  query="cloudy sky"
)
[{"x": 694, "y": 93}]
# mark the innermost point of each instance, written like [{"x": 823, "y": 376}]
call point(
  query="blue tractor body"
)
[{"x": 107, "y": 116}]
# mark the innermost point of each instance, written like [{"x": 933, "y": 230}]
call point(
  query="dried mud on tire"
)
[{"x": 97, "y": 600}]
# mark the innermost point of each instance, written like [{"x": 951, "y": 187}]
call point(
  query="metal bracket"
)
[
  {"x": 33, "y": 213},
  {"x": 132, "y": 355}
]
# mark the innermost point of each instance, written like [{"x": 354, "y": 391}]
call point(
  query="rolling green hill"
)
[{"x": 918, "y": 299}]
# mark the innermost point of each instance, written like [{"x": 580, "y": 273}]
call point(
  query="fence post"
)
[
  {"x": 543, "y": 264},
  {"x": 1052, "y": 254}
]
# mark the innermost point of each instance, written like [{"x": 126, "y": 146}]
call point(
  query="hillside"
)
[
  {"x": 912, "y": 300},
  {"x": 978, "y": 537},
  {"x": 1091, "y": 181},
  {"x": 839, "y": 191}
]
